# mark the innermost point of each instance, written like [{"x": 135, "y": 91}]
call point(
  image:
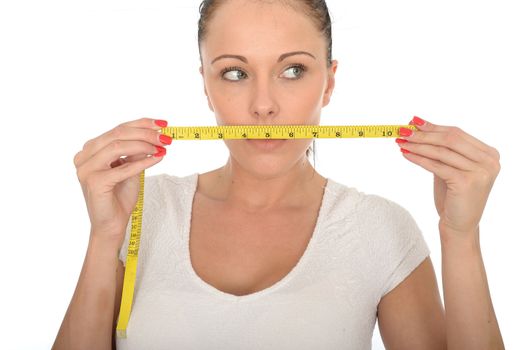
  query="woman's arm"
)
[
  {"x": 411, "y": 315},
  {"x": 471, "y": 322},
  {"x": 464, "y": 170},
  {"x": 109, "y": 169},
  {"x": 88, "y": 323}
]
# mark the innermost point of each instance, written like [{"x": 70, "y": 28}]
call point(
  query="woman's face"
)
[{"x": 268, "y": 84}]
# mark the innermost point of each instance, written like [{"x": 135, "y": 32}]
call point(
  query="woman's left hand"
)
[{"x": 464, "y": 171}]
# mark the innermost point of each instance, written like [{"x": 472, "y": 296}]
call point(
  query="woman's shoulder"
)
[
  {"x": 162, "y": 181},
  {"x": 359, "y": 203},
  {"x": 177, "y": 179},
  {"x": 384, "y": 227},
  {"x": 164, "y": 194},
  {"x": 165, "y": 189}
]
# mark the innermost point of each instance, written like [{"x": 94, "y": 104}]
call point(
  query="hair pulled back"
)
[{"x": 316, "y": 10}]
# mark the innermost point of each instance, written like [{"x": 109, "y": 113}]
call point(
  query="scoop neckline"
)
[{"x": 283, "y": 281}]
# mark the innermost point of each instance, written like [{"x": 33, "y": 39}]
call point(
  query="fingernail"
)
[
  {"x": 405, "y": 132},
  {"x": 161, "y": 123},
  {"x": 403, "y": 150},
  {"x": 418, "y": 121},
  {"x": 400, "y": 140},
  {"x": 161, "y": 151},
  {"x": 167, "y": 140}
]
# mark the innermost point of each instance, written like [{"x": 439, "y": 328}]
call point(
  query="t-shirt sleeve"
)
[{"x": 404, "y": 246}]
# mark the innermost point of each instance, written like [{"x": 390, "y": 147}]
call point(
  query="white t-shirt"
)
[{"x": 363, "y": 246}]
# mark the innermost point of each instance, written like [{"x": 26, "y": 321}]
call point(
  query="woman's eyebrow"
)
[{"x": 281, "y": 58}]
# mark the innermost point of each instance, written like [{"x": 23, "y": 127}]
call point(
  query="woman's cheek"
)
[
  {"x": 305, "y": 99},
  {"x": 228, "y": 106}
]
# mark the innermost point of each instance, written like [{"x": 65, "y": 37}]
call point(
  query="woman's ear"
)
[
  {"x": 204, "y": 87},
  {"x": 330, "y": 83}
]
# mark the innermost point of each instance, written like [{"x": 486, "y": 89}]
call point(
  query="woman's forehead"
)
[{"x": 261, "y": 25}]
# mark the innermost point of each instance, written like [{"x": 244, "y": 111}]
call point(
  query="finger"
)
[
  {"x": 121, "y": 149},
  {"x": 144, "y": 129},
  {"x": 118, "y": 162},
  {"x": 113, "y": 153},
  {"x": 442, "y": 154},
  {"x": 436, "y": 167},
  {"x": 125, "y": 171},
  {"x": 128, "y": 159},
  {"x": 428, "y": 126},
  {"x": 449, "y": 140}
]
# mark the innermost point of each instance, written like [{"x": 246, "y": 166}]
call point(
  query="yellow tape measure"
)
[
  {"x": 231, "y": 132},
  {"x": 131, "y": 262},
  {"x": 281, "y": 131}
]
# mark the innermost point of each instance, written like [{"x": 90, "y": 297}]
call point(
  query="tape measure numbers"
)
[
  {"x": 231, "y": 132},
  {"x": 281, "y": 131},
  {"x": 131, "y": 262}
]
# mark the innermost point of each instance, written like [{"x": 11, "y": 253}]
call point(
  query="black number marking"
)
[
  {"x": 361, "y": 133},
  {"x": 244, "y": 135},
  {"x": 338, "y": 134},
  {"x": 291, "y": 134},
  {"x": 220, "y": 135},
  {"x": 267, "y": 135},
  {"x": 314, "y": 134},
  {"x": 196, "y": 135}
]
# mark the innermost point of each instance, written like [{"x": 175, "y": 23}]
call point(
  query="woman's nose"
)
[{"x": 264, "y": 103}]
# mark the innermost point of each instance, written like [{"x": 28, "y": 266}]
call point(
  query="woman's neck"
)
[{"x": 255, "y": 192}]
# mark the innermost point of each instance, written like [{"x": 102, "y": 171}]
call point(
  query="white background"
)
[{"x": 70, "y": 70}]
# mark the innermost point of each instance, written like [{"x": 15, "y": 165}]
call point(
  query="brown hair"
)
[{"x": 316, "y": 10}]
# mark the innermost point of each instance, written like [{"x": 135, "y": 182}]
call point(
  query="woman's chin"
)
[
  {"x": 266, "y": 158},
  {"x": 264, "y": 145},
  {"x": 268, "y": 167}
]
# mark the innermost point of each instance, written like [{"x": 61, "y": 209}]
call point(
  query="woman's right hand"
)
[{"x": 110, "y": 183}]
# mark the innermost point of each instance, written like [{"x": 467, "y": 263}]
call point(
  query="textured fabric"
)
[{"x": 363, "y": 246}]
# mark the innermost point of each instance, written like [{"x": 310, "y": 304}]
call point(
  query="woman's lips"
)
[{"x": 266, "y": 145}]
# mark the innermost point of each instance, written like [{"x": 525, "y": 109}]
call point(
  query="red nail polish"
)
[
  {"x": 167, "y": 140},
  {"x": 405, "y": 132},
  {"x": 418, "y": 121},
  {"x": 161, "y": 151},
  {"x": 161, "y": 123},
  {"x": 403, "y": 150},
  {"x": 400, "y": 140}
]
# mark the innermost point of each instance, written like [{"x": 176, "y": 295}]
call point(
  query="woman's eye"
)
[
  {"x": 236, "y": 74},
  {"x": 233, "y": 74},
  {"x": 297, "y": 71}
]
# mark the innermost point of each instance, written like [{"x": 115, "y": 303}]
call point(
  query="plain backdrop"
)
[{"x": 70, "y": 70}]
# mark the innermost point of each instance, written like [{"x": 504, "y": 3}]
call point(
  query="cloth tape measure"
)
[{"x": 231, "y": 132}]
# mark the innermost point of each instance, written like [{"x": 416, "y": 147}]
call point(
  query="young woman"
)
[{"x": 264, "y": 252}]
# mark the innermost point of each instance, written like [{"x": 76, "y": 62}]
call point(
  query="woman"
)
[{"x": 264, "y": 252}]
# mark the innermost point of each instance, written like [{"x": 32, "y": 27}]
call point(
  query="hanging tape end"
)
[{"x": 121, "y": 333}]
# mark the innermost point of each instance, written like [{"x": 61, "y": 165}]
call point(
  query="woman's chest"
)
[{"x": 240, "y": 253}]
